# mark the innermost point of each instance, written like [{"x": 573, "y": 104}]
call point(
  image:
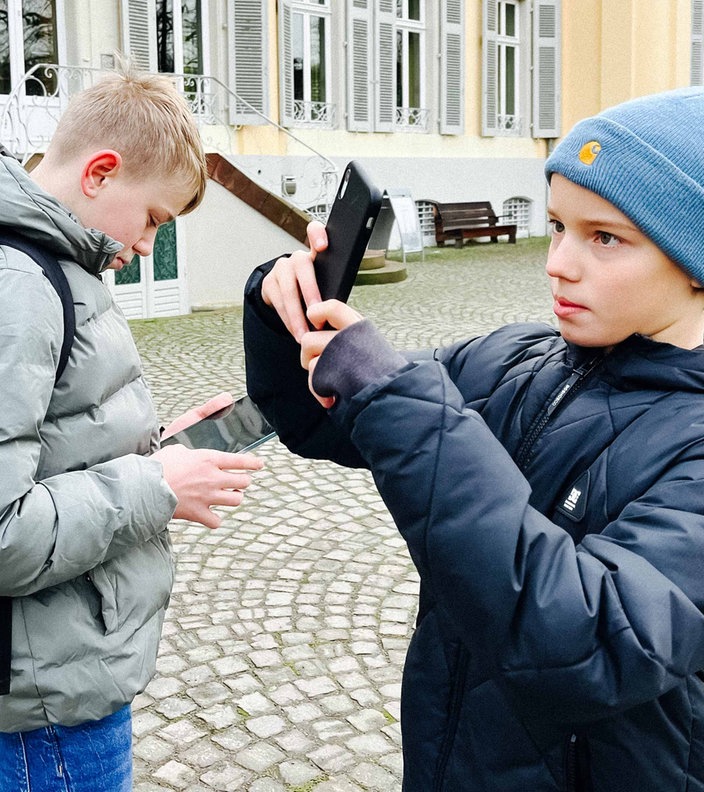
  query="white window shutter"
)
[
  {"x": 386, "y": 66},
  {"x": 359, "y": 78},
  {"x": 546, "y": 69},
  {"x": 248, "y": 62},
  {"x": 697, "y": 54},
  {"x": 490, "y": 63},
  {"x": 139, "y": 33},
  {"x": 286, "y": 62},
  {"x": 452, "y": 68}
]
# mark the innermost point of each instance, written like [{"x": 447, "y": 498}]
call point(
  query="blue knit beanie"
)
[{"x": 646, "y": 157}]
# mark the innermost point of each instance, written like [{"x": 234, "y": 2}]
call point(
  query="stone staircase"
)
[{"x": 374, "y": 268}]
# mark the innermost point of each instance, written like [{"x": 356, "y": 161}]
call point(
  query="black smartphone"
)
[
  {"x": 349, "y": 226},
  {"x": 238, "y": 427}
]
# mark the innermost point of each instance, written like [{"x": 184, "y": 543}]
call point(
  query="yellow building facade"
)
[{"x": 450, "y": 100}]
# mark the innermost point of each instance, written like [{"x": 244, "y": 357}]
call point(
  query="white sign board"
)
[{"x": 399, "y": 208}]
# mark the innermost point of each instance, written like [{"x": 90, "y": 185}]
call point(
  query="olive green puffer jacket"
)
[{"x": 84, "y": 546}]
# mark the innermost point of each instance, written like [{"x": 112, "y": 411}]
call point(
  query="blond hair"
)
[{"x": 142, "y": 117}]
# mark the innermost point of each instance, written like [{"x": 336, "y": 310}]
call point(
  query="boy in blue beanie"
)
[{"x": 549, "y": 484}]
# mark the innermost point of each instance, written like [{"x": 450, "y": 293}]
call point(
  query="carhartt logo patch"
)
[
  {"x": 574, "y": 502},
  {"x": 589, "y": 152}
]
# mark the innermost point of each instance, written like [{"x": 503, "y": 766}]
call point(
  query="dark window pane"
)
[
  {"x": 165, "y": 35},
  {"x": 132, "y": 273},
  {"x": 192, "y": 37},
  {"x": 39, "y": 25},
  {"x": 5, "y": 86},
  {"x": 165, "y": 261},
  {"x": 297, "y": 51},
  {"x": 318, "y": 89},
  {"x": 510, "y": 80},
  {"x": 414, "y": 69},
  {"x": 510, "y": 20}
]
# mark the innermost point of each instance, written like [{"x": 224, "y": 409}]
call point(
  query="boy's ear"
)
[{"x": 97, "y": 169}]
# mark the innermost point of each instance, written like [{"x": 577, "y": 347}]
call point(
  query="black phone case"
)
[{"x": 349, "y": 227}]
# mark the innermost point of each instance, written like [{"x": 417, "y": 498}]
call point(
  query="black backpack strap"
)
[
  {"x": 55, "y": 275},
  {"x": 52, "y": 269},
  {"x": 5, "y": 644}
]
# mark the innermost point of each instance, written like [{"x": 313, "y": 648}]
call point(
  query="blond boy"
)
[{"x": 85, "y": 493}]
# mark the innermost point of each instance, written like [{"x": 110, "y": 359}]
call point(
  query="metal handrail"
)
[{"x": 32, "y": 110}]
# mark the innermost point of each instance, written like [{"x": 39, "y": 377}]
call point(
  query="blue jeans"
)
[{"x": 93, "y": 757}]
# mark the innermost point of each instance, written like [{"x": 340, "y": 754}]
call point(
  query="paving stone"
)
[
  {"x": 266, "y": 725},
  {"x": 367, "y": 720},
  {"x": 259, "y": 757},
  {"x": 266, "y": 785},
  {"x": 177, "y": 774},
  {"x": 373, "y": 777},
  {"x": 227, "y": 779}
]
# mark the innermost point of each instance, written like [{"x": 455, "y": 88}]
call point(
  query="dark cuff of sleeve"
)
[{"x": 356, "y": 357}]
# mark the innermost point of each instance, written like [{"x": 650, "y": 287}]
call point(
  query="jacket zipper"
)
[{"x": 568, "y": 390}]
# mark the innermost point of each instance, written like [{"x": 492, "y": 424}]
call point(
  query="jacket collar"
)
[{"x": 639, "y": 363}]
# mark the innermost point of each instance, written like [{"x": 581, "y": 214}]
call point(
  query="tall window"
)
[
  {"x": 306, "y": 62},
  {"x": 179, "y": 36},
  {"x": 410, "y": 64},
  {"x": 386, "y": 61},
  {"x": 521, "y": 67},
  {"x": 508, "y": 42},
  {"x": 27, "y": 39}
]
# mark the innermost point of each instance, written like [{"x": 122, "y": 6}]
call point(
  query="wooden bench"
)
[{"x": 469, "y": 220}]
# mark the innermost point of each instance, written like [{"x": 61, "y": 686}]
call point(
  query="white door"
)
[{"x": 154, "y": 285}]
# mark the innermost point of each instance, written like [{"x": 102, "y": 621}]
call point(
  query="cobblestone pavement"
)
[{"x": 281, "y": 660}]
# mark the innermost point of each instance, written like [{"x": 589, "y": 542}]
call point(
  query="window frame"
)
[
  {"x": 304, "y": 112},
  {"x": 507, "y": 122},
  {"x": 407, "y": 116},
  {"x": 538, "y": 91},
  {"x": 16, "y": 43}
]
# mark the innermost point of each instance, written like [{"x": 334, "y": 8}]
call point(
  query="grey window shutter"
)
[
  {"x": 386, "y": 67},
  {"x": 248, "y": 64},
  {"x": 139, "y": 33},
  {"x": 697, "y": 61},
  {"x": 490, "y": 28},
  {"x": 546, "y": 69},
  {"x": 286, "y": 62},
  {"x": 359, "y": 78},
  {"x": 452, "y": 68}
]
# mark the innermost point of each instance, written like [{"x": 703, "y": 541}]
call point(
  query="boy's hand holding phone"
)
[
  {"x": 328, "y": 270},
  {"x": 201, "y": 478},
  {"x": 291, "y": 286}
]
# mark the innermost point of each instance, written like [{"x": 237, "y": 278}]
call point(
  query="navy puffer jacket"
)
[{"x": 552, "y": 499}]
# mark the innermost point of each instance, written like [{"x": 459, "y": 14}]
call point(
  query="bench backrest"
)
[{"x": 462, "y": 215}]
